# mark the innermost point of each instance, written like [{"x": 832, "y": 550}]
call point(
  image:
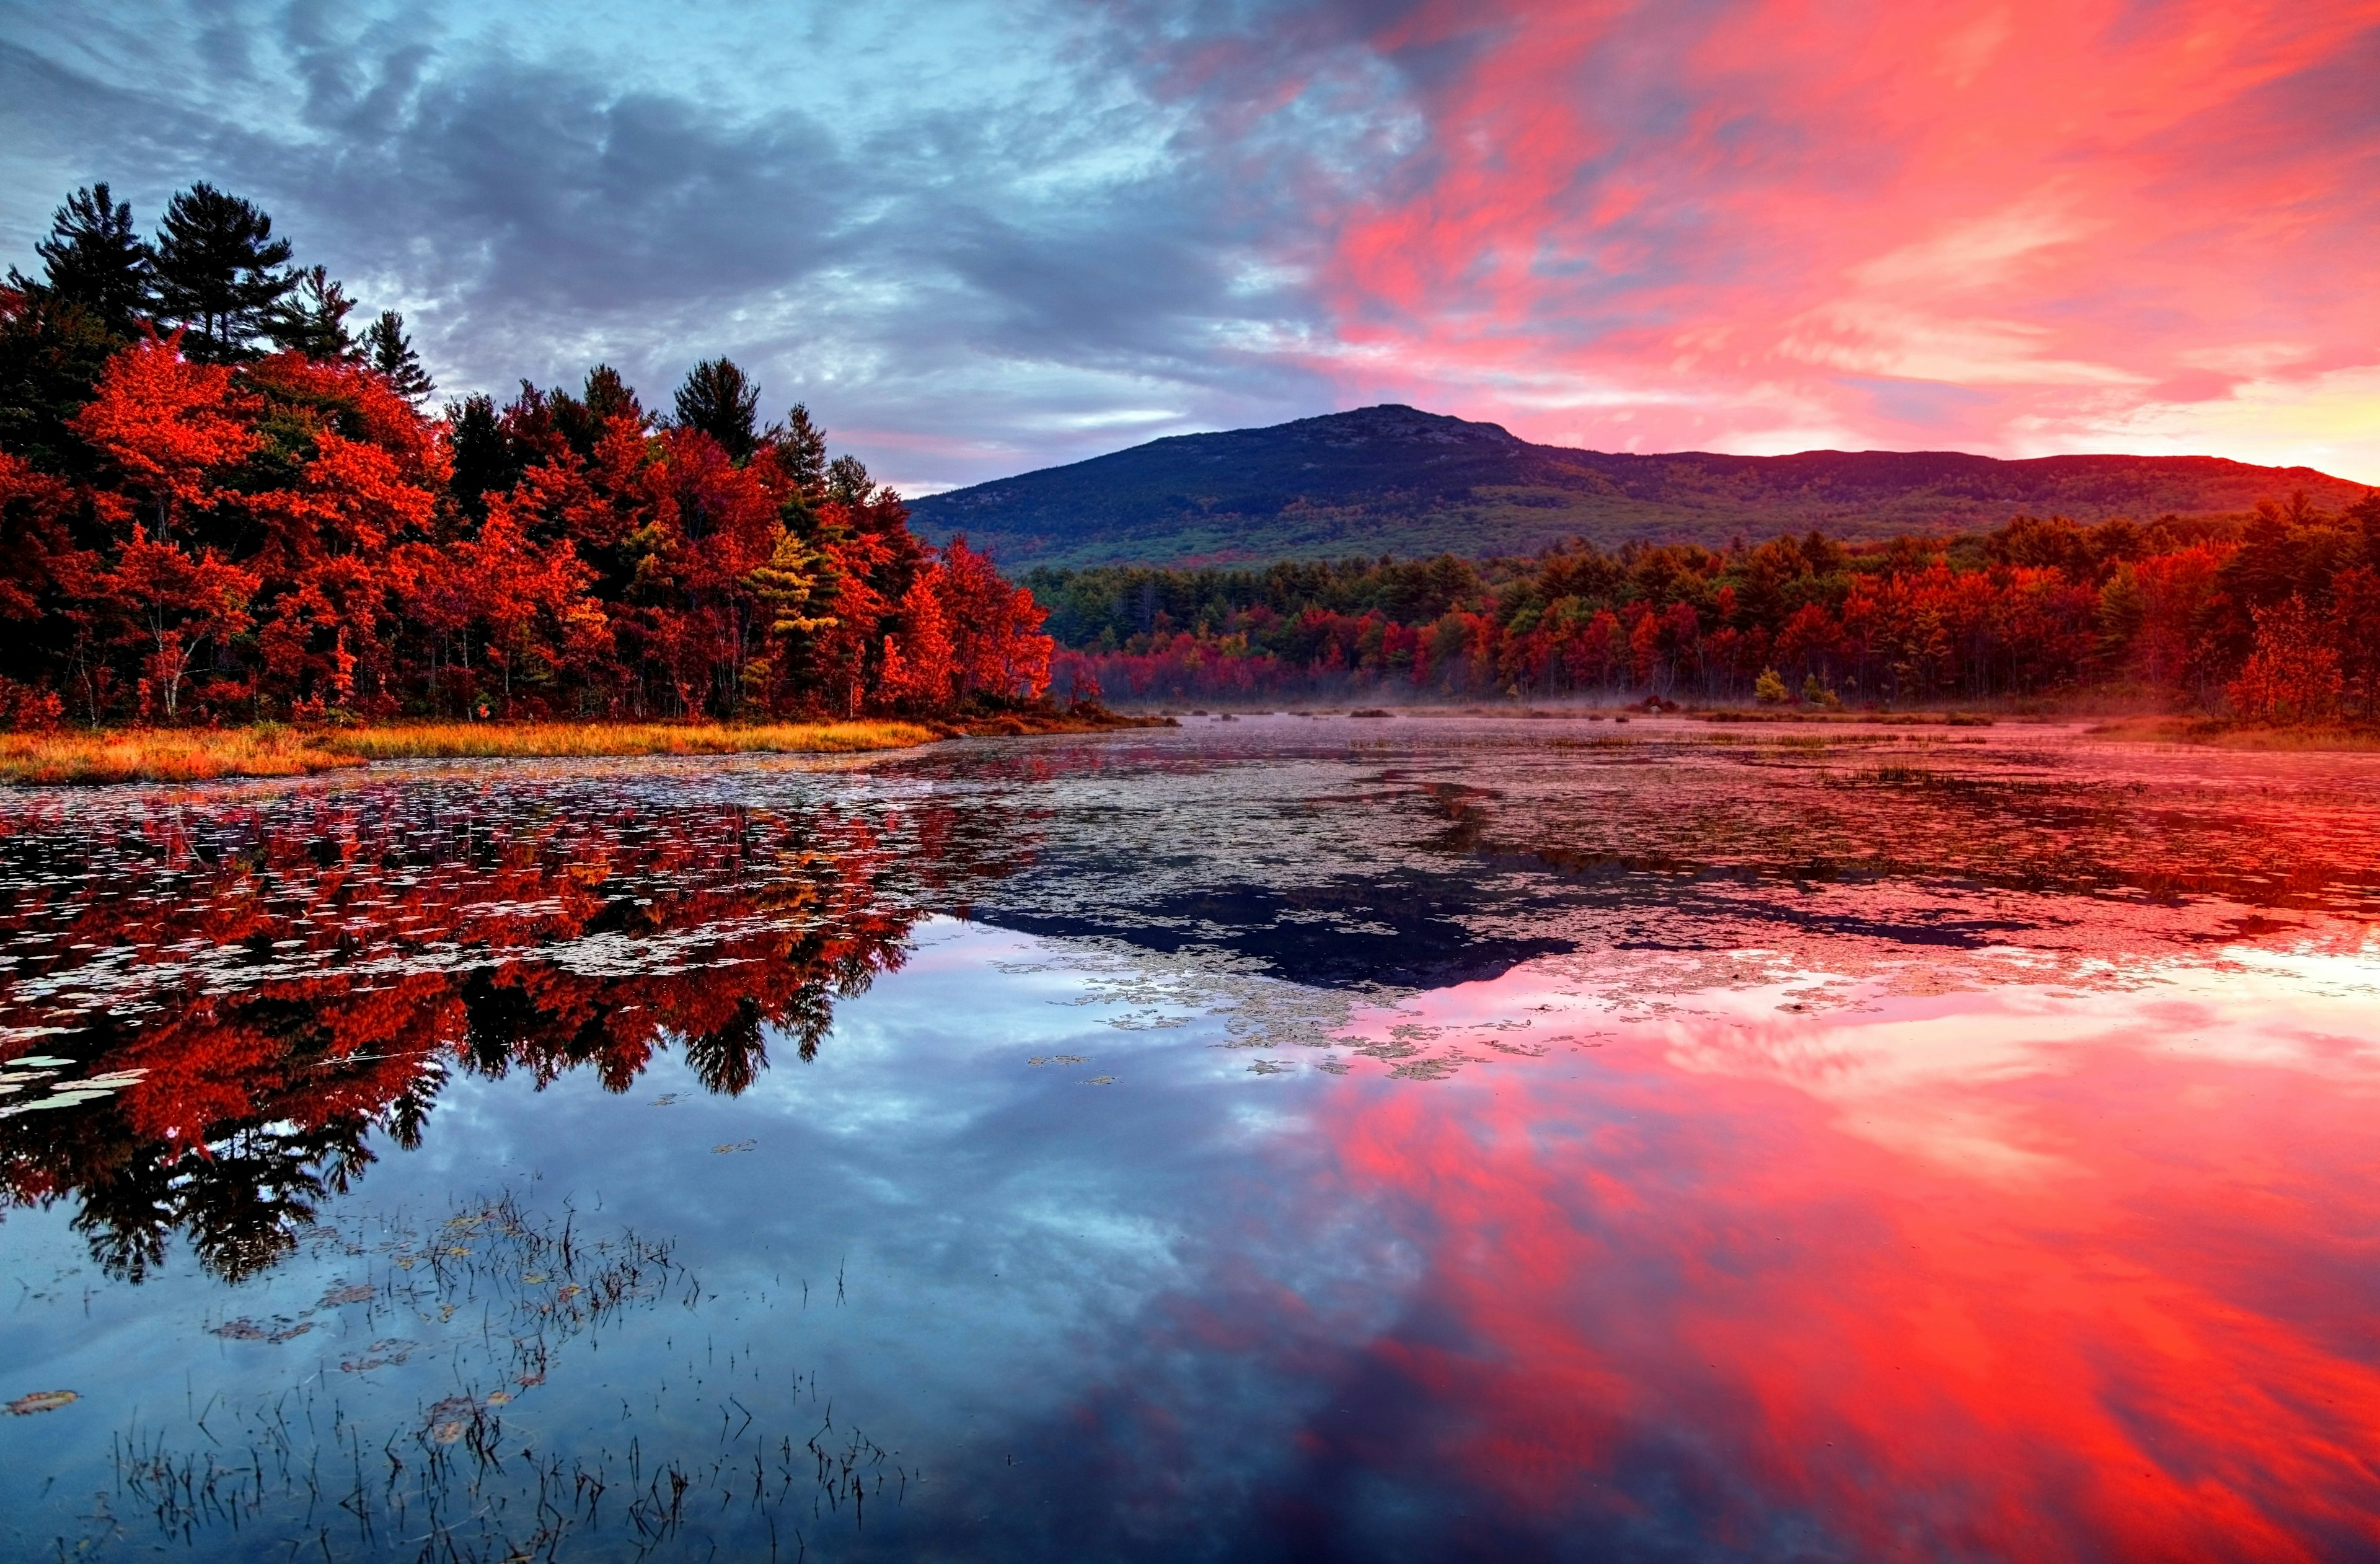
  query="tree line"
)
[
  {"x": 2273, "y": 616},
  {"x": 219, "y": 502}
]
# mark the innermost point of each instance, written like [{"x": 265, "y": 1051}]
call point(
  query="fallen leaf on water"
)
[
  {"x": 1101, "y": 1080},
  {"x": 499, "y": 1398},
  {"x": 535, "y": 1279},
  {"x": 451, "y": 1418},
  {"x": 239, "y": 1331},
  {"x": 42, "y": 1401},
  {"x": 736, "y": 1146},
  {"x": 356, "y": 1294}
]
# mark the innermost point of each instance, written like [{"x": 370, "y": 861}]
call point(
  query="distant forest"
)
[
  {"x": 219, "y": 500},
  {"x": 2275, "y": 619}
]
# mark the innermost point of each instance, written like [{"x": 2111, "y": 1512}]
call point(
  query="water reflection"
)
[
  {"x": 1305, "y": 1145},
  {"x": 231, "y": 1001}
]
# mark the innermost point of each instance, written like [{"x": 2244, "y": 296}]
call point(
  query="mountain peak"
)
[
  {"x": 1394, "y": 422},
  {"x": 1393, "y": 478}
]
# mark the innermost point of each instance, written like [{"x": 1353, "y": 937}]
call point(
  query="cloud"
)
[
  {"x": 1732, "y": 219},
  {"x": 973, "y": 235},
  {"x": 966, "y": 277}
]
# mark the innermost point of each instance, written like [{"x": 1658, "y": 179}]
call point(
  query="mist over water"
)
[{"x": 1306, "y": 1138}]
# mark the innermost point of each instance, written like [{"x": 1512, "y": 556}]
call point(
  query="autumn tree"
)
[
  {"x": 919, "y": 659},
  {"x": 166, "y": 430},
  {"x": 997, "y": 646},
  {"x": 2292, "y": 675},
  {"x": 178, "y": 605}
]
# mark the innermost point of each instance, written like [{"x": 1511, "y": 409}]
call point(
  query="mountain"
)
[{"x": 1392, "y": 479}]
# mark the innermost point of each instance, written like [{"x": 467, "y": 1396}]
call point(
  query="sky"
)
[{"x": 981, "y": 238}]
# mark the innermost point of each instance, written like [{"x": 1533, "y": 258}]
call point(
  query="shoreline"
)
[
  {"x": 111, "y": 757},
  {"x": 105, "y": 757},
  {"x": 2196, "y": 732}
]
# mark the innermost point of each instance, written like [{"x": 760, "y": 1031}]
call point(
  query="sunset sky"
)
[{"x": 978, "y": 239}]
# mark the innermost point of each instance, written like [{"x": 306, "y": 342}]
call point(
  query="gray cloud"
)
[{"x": 965, "y": 281}]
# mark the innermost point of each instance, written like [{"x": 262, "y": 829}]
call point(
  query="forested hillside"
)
[
  {"x": 2275, "y": 619},
  {"x": 1394, "y": 480},
  {"x": 219, "y": 502}
]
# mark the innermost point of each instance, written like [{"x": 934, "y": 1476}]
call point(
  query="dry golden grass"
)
[
  {"x": 457, "y": 741},
  {"x": 198, "y": 755},
  {"x": 153, "y": 755}
]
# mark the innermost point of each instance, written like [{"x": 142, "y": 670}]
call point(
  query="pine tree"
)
[
  {"x": 720, "y": 400},
  {"x": 847, "y": 481},
  {"x": 218, "y": 270},
  {"x": 313, "y": 320},
  {"x": 801, "y": 451},
  {"x": 389, "y": 350},
  {"x": 51, "y": 356},
  {"x": 93, "y": 260},
  {"x": 483, "y": 460},
  {"x": 608, "y": 396}
]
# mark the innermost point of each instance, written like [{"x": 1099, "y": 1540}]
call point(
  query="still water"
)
[{"x": 1281, "y": 1138}]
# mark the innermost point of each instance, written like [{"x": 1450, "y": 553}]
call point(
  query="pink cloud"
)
[{"x": 2013, "y": 226}]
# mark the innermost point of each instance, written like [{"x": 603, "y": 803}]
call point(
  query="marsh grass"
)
[
  {"x": 157, "y": 755},
  {"x": 165, "y": 756},
  {"x": 459, "y": 741}
]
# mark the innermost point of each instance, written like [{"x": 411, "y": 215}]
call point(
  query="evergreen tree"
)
[
  {"x": 608, "y": 397},
  {"x": 313, "y": 319},
  {"x": 93, "y": 260},
  {"x": 483, "y": 458},
  {"x": 218, "y": 271},
  {"x": 847, "y": 481},
  {"x": 389, "y": 350},
  {"x": 51, "y": 356},
  {"x": 720, "y": 401},
  {"x": 801, "y": 448}
]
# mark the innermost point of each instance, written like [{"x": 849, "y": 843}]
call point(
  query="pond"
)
[{"x": 1282, "y": 1137}]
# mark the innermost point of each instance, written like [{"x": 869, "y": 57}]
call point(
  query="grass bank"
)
[
  {"x": 524, "y": 741},
  {"x": 158, "y": 755},
  {"x": 189, "y": 755},
  {"x": 151, "y": 754}
]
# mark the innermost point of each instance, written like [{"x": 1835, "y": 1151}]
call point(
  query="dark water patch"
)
[{"x": 1405, "y": 930}]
